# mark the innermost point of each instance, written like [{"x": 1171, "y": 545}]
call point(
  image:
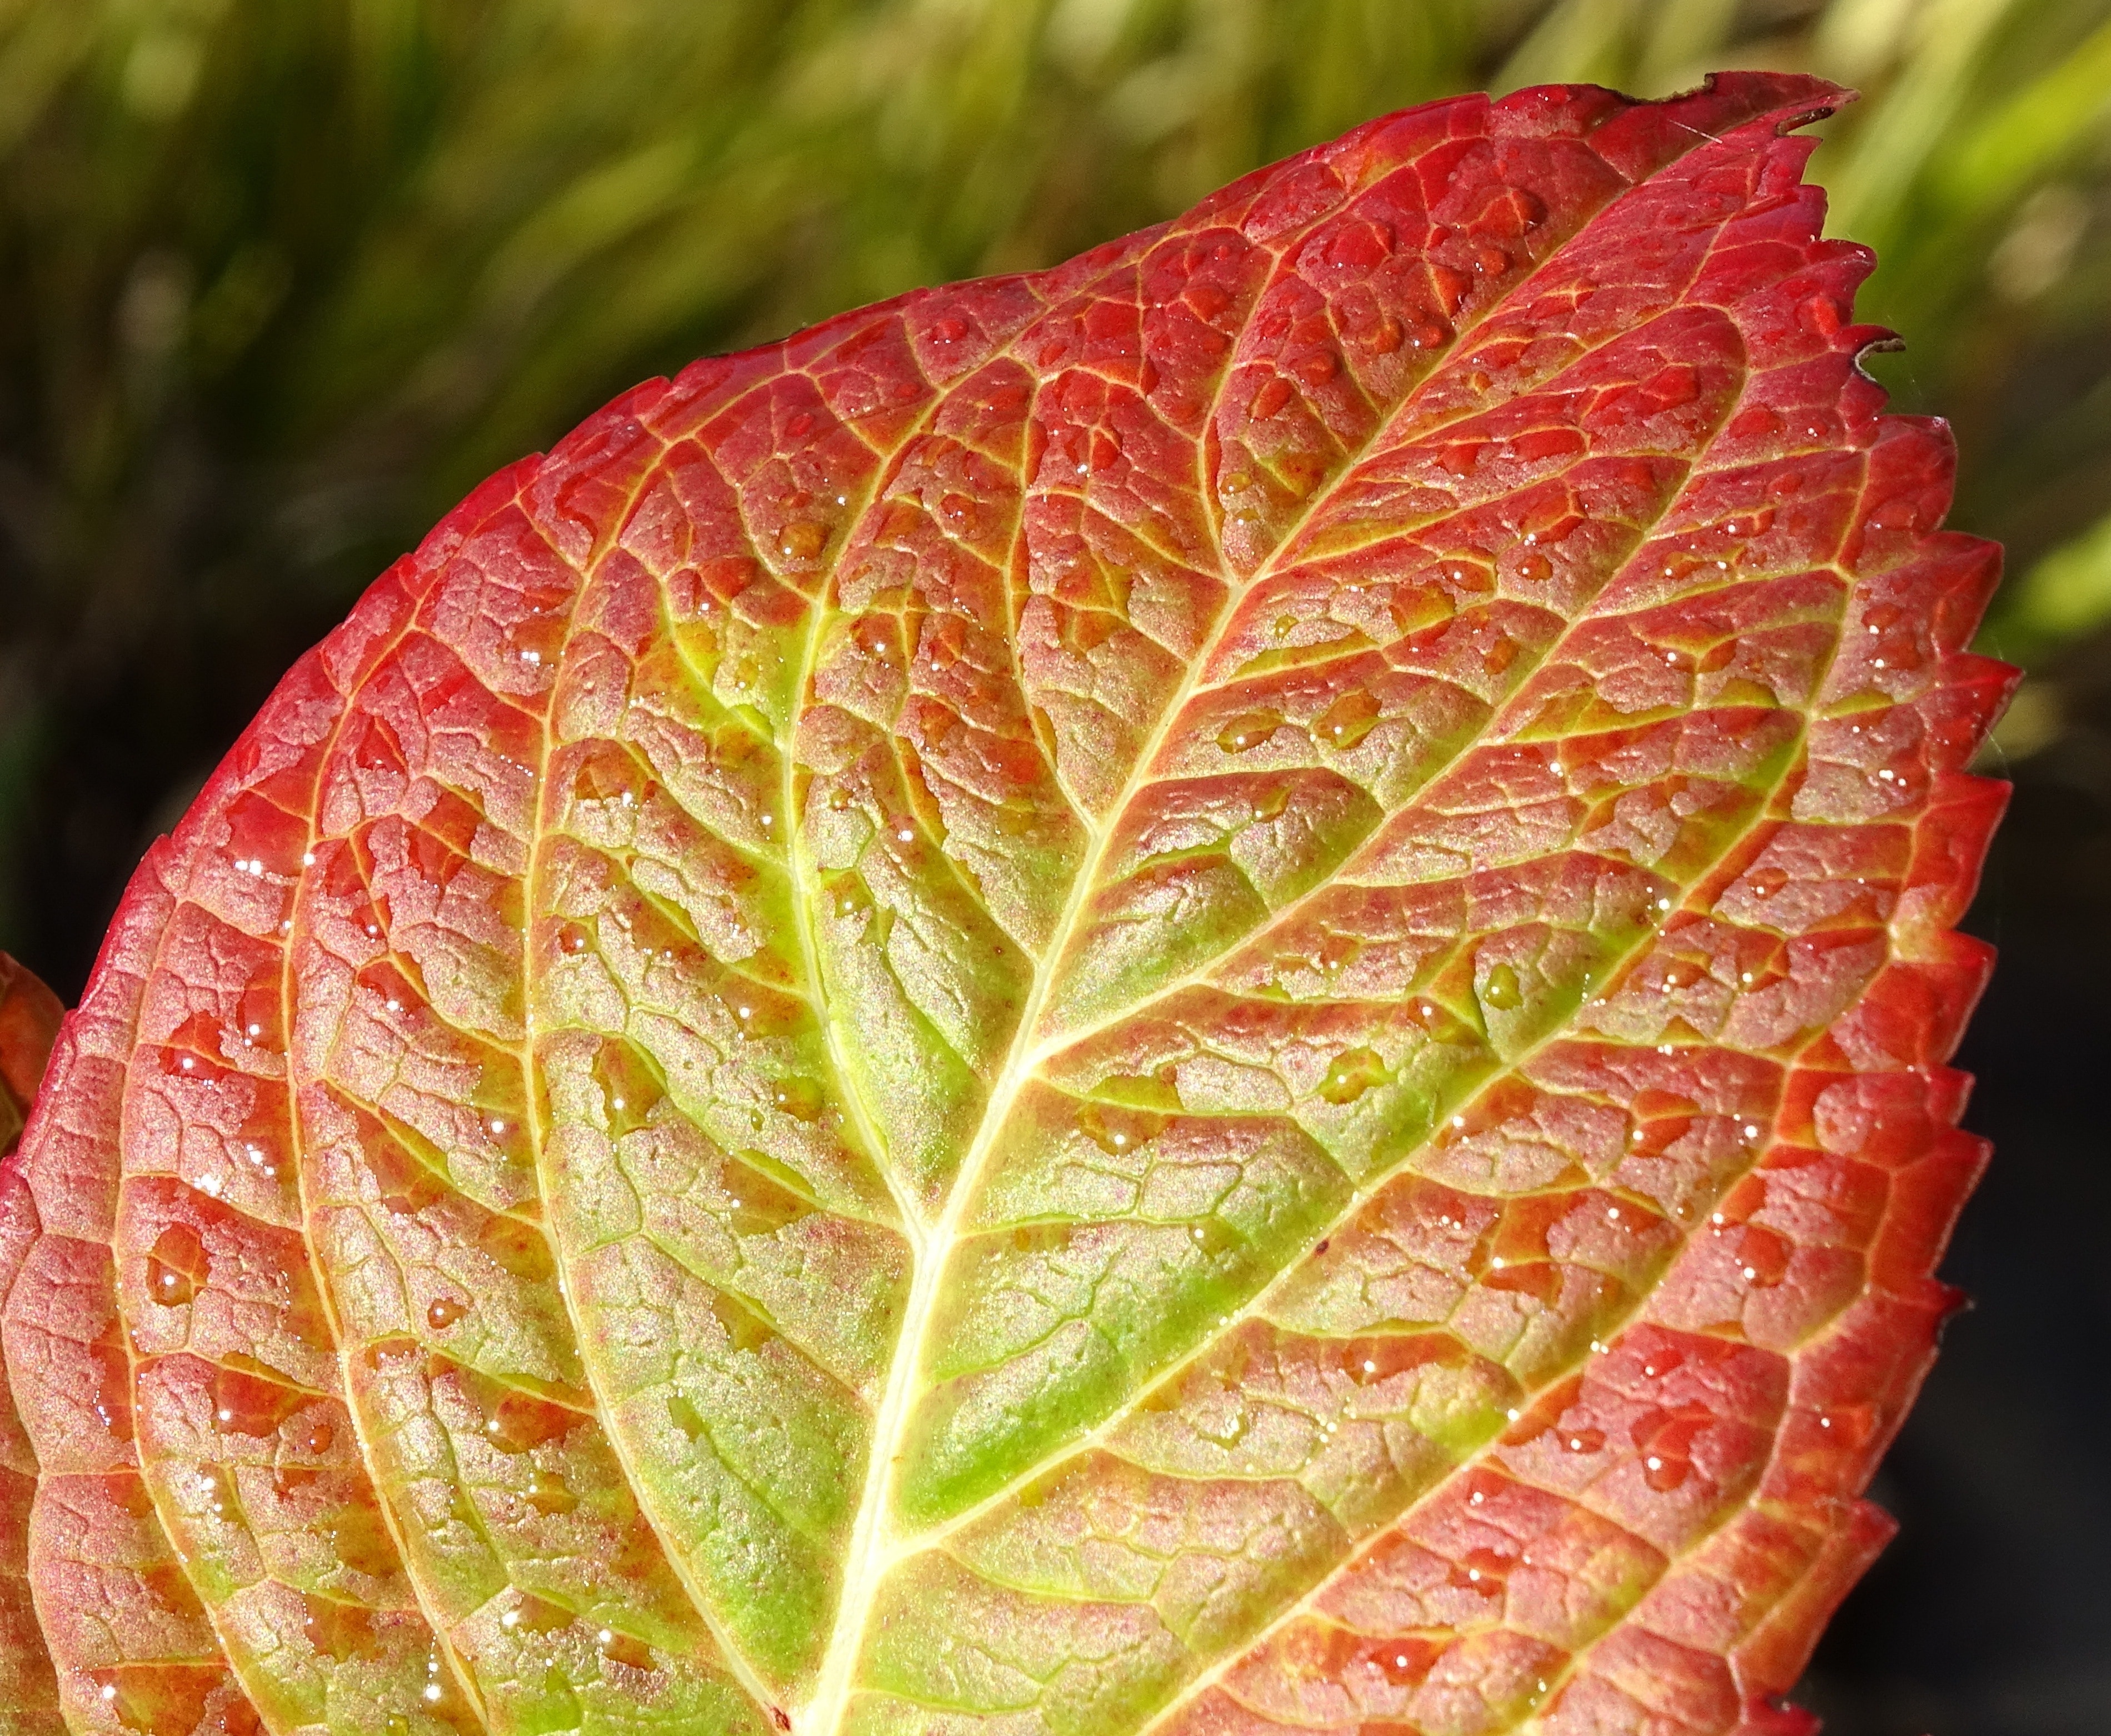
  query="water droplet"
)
[
  {"x": 1765, "y": 1256},
  {"x": 1115, "y": 1129},
  {"x": 1275, "y": 393},
  {"x": 1351, "y": 1075},
  {"x": 152, "y": 1700},
  {"x": 1271, "y": 802},
  {"x": 444, "y": 1311},
  {"x": 359, "y": 1537},
  {"x": 802, "y": 1099},
  {"x": 249, "y": 1404},
  {"x": 1664, "y": 1474},
  {"x": 519, "y": 1422},
  {"x": 1460, "y": 456},
  {"x": 801, "y": 539},
  {"x": 340, "y": 1631},
  {"x": 176, "y": 1267},
  {"x": 1534, "y": 567},
  {"x": 1348, "y": 719},
  {"x": 1582, "y": 1440},
  {"x": 518, "y": 1248},
  {"x": 1500, "y": 991},
  {"x": 620, "y": 1648},
  {"x": 1766, "y": 881},
  {"x": 1338, "y": 951},
  {"x": 1248, "y": 729},
  {"x": 1405, "y": 1662}
]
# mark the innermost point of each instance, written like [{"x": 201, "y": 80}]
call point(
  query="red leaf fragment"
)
[{"x": 30, "y": 1015}]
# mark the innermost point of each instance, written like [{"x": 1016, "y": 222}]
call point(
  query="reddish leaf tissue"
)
[{"x": 1202, "y": 994}]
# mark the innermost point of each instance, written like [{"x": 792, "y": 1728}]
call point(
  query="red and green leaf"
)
[
  {"x": 30, "y": 1017},
  {"x": 1206, "y": 993}
]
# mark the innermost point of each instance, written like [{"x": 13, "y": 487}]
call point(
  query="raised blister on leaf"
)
[{"x": 1206, "y": 993}]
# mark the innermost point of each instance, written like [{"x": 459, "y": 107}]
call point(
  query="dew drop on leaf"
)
[
  {"x": 1350, "y": 1074},
  {"x": 1501, "y": 990},
  {"x": 1248, "y": 729},
  {"x": 249, "y": 1404},
  {"x": 1348, "y": 719},
  {"x": 802, "y": 540},
  {"x": 176, "y": 1266},
  {"x": 1116, "y": 1129},
  {"x": 620, "y": 1648},
  {"x": 1664, "y": 1474}
]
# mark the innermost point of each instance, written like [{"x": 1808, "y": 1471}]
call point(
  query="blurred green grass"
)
[{"x": 280, "y": 279}]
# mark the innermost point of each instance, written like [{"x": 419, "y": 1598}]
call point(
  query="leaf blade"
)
[{"x": 962, "y": 1022}]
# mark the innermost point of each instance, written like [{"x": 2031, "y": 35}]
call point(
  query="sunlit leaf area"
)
[{"x": 281, "y": 279}]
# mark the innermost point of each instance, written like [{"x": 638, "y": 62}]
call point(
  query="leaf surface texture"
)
[{"x": 1206, "y": 993}]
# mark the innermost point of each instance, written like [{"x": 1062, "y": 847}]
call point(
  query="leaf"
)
[
  {"x": 30, "y": 1015},
  {"x": 1206, "y": 993}
]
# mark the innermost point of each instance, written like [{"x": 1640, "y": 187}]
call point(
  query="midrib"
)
[
  {"x": 869, "y": 1560},
  {"x": 873, "y": 1554}
]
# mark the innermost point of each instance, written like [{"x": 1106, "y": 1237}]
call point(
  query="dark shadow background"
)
[{"x": 278, "y": 284}]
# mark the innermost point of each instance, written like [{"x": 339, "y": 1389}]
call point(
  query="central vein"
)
[
  {"x": 869, "y": 1555},
  {"x": 872, "y": 1551}
]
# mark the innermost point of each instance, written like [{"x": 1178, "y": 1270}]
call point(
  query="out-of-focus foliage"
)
[{"x": 278, "y": 281}]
